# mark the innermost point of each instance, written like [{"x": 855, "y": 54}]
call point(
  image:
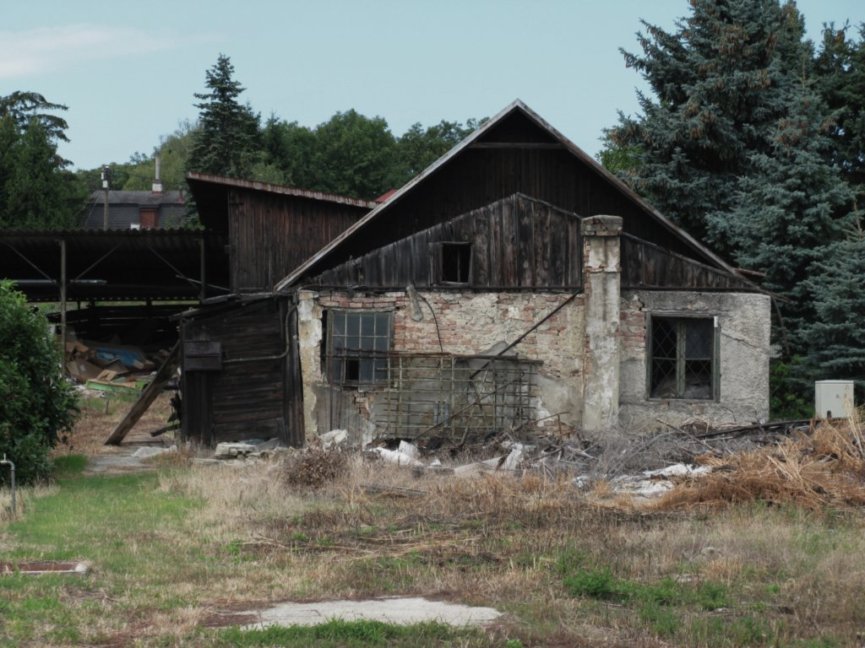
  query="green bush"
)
[{"x": 36, "y": 403}]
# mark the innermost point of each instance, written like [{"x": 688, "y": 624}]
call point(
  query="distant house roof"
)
[
  {"x": 356, "y": 239},
  {"x": 125, "y": 207}
]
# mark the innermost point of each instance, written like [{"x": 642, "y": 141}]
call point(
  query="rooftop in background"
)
[{"x": 136, "y": 210}]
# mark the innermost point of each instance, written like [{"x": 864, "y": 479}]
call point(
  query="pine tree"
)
[
  {"x": 791, "y": 206},
  {"x": 36, "y": 190},
  {"x": 840, "y": 65},
  {"x": 719, "y": 84},
  {"x": 227, "y": 142},
  {"x": 835, "y": 348}
]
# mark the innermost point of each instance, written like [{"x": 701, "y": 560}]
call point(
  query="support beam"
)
[
  {"x": 63, "y": 304},
  {"x": 203, "y": 271}
]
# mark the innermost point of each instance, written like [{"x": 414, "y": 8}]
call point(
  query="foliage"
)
[
  {"x": 720, "y": 85},
  {"x": 36, "y": 403},
  {"x": 36, "y": 190},
  {"x": 840, "y": 65},
  {"x": 789, "y": 207},
  {"x": 173, "y": 151},
  {"x": 227, "y": 142},
  {"x": 788, "y": 393},
  {"x": 351, "y": 154},
  {"x": 835, "y": 288}
]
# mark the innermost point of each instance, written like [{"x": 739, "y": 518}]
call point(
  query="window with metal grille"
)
[
  {"x": 357, "y": 346},
  {"x": 683, "y": 358}
]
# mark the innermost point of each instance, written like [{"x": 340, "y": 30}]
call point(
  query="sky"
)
[{"x": 128, "y": 70}]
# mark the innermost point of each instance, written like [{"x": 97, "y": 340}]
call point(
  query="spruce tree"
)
[
  {"x": 719, "y": 83},
  {"x": 227, "y": 142},
  {"x": 834, "y": 337},
  {"x": 789, "y": 209},
  {"x": 840, "y": 66}
]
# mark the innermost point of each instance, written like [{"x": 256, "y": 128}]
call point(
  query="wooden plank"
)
[{"x": 163, "y": 375}]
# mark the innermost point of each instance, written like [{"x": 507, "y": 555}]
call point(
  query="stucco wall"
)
[
  {"x": 468, "y": 323},
  {"x": 744, "y": 327}
]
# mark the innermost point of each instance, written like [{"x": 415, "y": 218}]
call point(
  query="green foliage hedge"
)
[{"x": 36, "y": 403}]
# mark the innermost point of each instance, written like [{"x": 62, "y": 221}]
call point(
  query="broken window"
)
[
  {"x": 683, "y": 357},
  {"x": 357, "y": 346},
  {"x": 454, "y": 262}
]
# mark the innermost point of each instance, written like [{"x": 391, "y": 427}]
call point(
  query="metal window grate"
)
[
  {"x": 460, "y": 397},
  {"x": 683, "y": 358}
]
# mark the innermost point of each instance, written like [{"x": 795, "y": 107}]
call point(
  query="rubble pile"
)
[{"x": 115, "y": 369}]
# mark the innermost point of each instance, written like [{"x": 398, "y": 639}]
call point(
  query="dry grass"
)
[
  {"x": 824, "y": 468},
  {"x": 783, "y": 569}
]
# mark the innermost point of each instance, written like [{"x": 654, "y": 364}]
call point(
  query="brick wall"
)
[{"x": 466, "y": 323}]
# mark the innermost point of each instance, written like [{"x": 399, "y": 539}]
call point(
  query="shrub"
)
[
  {"x": 315, "y": 467},
  {"x": 36, "y": 402}
]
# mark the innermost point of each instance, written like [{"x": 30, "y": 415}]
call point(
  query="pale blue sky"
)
[{"x": 128, "y": 70}]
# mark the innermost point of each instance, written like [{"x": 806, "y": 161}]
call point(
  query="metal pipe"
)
[{"x": 11, "y": 465}]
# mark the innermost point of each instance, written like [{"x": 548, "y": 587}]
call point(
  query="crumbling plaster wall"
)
[
  {"x": 468, "y": 323},
  {"x": 744, "y": 321}
]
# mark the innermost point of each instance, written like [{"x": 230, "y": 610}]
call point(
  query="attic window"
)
[
  {"x": 455, "y": 262},
  {"x": 683, "y": 358}
]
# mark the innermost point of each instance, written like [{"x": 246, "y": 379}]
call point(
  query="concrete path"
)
[{"x": 403, "y": 611}]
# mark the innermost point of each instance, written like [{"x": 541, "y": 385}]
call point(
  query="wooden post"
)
[
  {"x": 63, "y": 304},
  {"x": 203, "y": 271}
]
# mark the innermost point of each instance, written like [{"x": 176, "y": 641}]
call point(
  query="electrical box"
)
[
  {"x": 202, "y": 355},
  {"x": 833, "y": 398}
]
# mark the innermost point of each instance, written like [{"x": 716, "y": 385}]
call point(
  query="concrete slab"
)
[{"x": 402, "y": 611}]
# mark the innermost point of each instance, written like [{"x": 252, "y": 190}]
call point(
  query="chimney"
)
[{"x": 157, "y": 183}]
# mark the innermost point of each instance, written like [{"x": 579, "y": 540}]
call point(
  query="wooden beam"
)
[
  {"x": 551, "y": 146},
  {"x": 163, "y": 375}
]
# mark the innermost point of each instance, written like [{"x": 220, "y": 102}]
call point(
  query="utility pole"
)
[{"x": 106, "y": 179}]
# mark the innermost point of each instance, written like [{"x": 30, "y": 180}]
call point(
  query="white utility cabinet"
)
[{"x": 833, "y": 398}]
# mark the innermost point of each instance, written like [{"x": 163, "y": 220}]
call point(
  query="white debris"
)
[
  {"x": 395, "y": 456},
  {"x": 408, "y": 449},
  {"x": 678, "y": 470},
  {"x": 333, "y": 438},
  {"x": 144, "y": 452}
]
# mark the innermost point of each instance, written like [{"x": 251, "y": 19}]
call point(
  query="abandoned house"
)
[{"x": 514, "y": 282}]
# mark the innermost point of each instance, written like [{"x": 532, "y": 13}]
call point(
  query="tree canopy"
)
[
  {"x": 36, "y": 189},
  {"x": 227, "y": 140},
  {"x": 755, "y": 143}
]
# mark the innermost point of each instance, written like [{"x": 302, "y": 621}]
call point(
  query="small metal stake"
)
[{"x": 11, "y": 465}]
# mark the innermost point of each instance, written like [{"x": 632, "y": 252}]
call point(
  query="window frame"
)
[
  {"x": 351, "y": 365},
  {"x": 438, "y": 262},
  {"x": 681, "y": 320}
]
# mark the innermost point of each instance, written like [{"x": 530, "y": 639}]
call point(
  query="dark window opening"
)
[
  {"x": 456, "y": 261},
  {"x": 682, "y": 361},
  {"x": 357, "y": 347}
]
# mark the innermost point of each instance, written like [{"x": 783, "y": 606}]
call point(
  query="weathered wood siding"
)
[
  {"x": 517, "y": 242},
  {"x": 645, "y": 265},
  {"x": 271, "y": 234},
  {"x": 253, "y": 394},
  {"x": 515, "y": 157}
]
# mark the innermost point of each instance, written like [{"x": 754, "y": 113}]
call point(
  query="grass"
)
[{"x": 176, "y": 551}]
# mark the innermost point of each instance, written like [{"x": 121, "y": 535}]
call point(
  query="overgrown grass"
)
[{"x": 176, "y": 551}]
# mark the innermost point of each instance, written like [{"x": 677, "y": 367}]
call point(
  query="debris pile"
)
[
  {"x": 823, "y": 467},
  {"x": 114, "y": 369}
]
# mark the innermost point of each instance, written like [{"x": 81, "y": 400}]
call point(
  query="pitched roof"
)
[{"x": 318, "y": 260}]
